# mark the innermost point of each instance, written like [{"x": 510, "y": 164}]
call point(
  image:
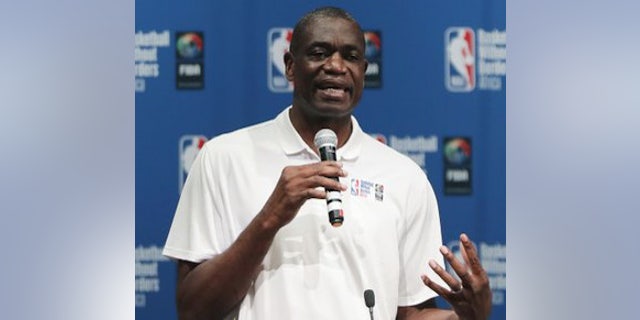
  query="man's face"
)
[{"x": 328, "y": 68}]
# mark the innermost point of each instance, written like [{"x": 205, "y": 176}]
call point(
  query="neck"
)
[{"x": 307, "y": 127}]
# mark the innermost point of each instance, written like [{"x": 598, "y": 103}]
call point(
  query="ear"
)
[{"x": 288, "y": 65}]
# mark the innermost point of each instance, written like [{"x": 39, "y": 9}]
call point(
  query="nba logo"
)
[
  {"x": 355, "y": 187},
  {"x": 460, "y": 57},
  {"x": 278, "y": 41},
  {"x": 190, "y": 145}
]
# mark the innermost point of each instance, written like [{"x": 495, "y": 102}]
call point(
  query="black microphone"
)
[
  {"x": 326, "y": 142},
  {"x": 370, "y": 301}
]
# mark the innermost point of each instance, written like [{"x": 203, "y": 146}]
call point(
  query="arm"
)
[
  {"x": 425, "y": 310},
  {"x": 411, "y": 313},
  {"x": 211, "y": 289}
]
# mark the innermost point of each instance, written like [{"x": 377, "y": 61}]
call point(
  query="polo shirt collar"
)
[{"x": 292, "y": 143}]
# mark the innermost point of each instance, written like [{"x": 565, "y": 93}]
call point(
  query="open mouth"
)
[{"x": 333, "y": 90}]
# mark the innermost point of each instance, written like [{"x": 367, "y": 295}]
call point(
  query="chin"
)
[
  {"x": 334, "y": 112},
  {"x": 328, "y": 108}
]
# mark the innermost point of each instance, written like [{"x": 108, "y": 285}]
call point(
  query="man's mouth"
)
[{"x": 334, "y": 90}]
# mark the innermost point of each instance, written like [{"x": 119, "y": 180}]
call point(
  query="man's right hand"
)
[{"x": 296, "y": 185}]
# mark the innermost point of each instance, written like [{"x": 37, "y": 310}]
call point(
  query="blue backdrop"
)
[{"x": 435, "y": 91}]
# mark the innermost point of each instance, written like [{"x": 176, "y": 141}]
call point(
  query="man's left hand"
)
[{"x": 470, "y": 297}]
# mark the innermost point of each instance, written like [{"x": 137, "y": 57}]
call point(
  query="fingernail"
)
[
  {"x": 344, "y": 173},
  {"x": 444, "y": 250},
  {"x": 433, "y": 264},
  {"x": 464, "y": 237},
  {"x": 344, "y": 186}
]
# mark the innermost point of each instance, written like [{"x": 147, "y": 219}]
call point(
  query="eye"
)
[
  {"x": 318, "y": 53},
  {"x": 352, "y": 56}
]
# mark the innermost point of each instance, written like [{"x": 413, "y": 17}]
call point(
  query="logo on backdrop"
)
[
  {"x": 460, "y": 59},
  {"x": 457, "y": 166},
  {"x": 148, "y": 259},
  {"x": 189, "y": 60},
  {"x": 494, "y": 260},
  {"x": 373, "y": 54},
  {"x": 278, "y": 41},
  {"x": 475, "y": 59},
  {"x": 189, "y": 147},
  {"x": 146, "y": 56}
]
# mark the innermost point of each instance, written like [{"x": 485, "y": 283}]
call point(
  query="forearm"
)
[
  {"x": 214, "y": 287},
  {"x": 410, "y": 313}
]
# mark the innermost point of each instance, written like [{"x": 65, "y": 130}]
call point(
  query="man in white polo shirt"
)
[{"x": 251, "y": 233}]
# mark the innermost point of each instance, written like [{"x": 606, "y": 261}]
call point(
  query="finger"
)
[
  {"x": 327, "y": 182},
  {"x": 461, "y": 269},
  {"x": 325, "y": 168},
  {"x": 435, "y": 287},
  {"x": 311, "y": 171},
  {"x": 320, "y": 184},
  {"x": 463, "y": 250},
  {"x": 329, "y": 169},
  {"x": 321, "y": 164},
  {"x": 471, "y": 255},
  {"x": 309, "y": 181},
  {"x": 314, "y": 193},
  {"x": 444, "y": 275}
]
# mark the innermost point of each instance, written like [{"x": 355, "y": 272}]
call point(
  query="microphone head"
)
[
  {"x": 369, "y": 298},
  {"x": 325, "y": 137}
]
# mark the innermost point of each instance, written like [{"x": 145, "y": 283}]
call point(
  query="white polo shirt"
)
[{"x": 312, "y": 270}]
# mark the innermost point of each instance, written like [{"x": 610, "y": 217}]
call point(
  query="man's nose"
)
[{"x": 335, "y": 63}]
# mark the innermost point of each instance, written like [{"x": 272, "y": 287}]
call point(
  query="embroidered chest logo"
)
[{"x": 367, "y": 189}]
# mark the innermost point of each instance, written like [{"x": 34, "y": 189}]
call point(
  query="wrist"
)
[{"x": 268, "y": 223}]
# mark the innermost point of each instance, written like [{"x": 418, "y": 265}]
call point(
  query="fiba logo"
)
[
  {"x": 278, "y": 41},
  {"x": 189, "y": 147},
  {"x": 457, "y": 151},
  {"x": 373, "y": 54},
  {"x": 457, "y": 166},
  {"x": 373, "y": 45},
  {"x": 460, "y": 56},
  {"x": 189, "y": 45},
  {"x": 190, "y": 60}
]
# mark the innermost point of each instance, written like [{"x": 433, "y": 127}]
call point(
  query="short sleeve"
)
[
  {"x": 419, "y": 243},
  {"x": 199, "y": 229}
]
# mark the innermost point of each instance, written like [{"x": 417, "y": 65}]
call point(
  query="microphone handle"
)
[{"x": 334, "y": 201}]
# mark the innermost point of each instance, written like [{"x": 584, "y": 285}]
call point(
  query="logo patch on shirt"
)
[{"x": 367, "y": 189}]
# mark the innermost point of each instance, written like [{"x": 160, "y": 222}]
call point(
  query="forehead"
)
[{"x": 334, "y": 31}]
